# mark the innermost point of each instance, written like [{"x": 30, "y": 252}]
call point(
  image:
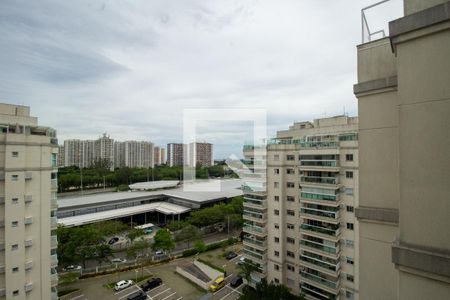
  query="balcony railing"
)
[
  {"x": 54, "y": 183},
  {"x": 332, "y": 267},
  {"x": 53, "y": 222},
  {"x": 319, "y": 180},
  {"x": 320, "y": 247},
  {"x": 254, "y": 229},
  {"x": 320, "y": 213},
  {"x": 53, "y": 241},
  {"x": 319, "y": 144},
  {"x": 254, "y": 215},
  {"x": 315, "y": 196},
  {"x": 54, "y": 259},
  {"x": 321, "y": 230},
  {"x": 255, "y": 242},
  {"x": 321, "y": 280},
  {"x": 260, "y": 256},
  {"x": 319, "y": 163}
]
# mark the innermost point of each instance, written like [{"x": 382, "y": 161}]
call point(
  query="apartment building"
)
[
  {"x": 176, "y": 154},
  {"x": 138, "y": 154},
  {"x": 312, "y": 190},
  {"x": 403, "y": 96},
  {"x": 255, "y": 208},
  {"x": 28, "y": 185},
  {"x": 61, "y": 156},
  {"x": 119, "y": 154},
  {"x": 163, "y": 155},
  {"x": 104, "y": 149},
  {"x": 81, "y": 153},
  {"x": 157, "y": 155},
  {"x": 200, "y": 154}
]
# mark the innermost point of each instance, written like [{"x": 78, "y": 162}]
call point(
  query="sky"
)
[{"x": 131, "y": 67}]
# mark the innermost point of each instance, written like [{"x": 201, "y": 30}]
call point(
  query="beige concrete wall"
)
[
  {"x": 375, "y": 60},
  {"x": 412, "y": 6}
]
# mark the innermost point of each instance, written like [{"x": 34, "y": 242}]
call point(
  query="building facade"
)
[
  {"x": 200, "y": 154},
  {"x": 176, "y": 154},
  {"x": 312, "y": 190},
  {"x": 157, "y": 155},
  {"x": 163, "y": 156},
  {"x": 403, "y": 96},
  {"x": 28, "y": 186}
]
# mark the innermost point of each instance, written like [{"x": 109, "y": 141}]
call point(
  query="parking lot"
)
[
  {"x": 227, "y": 293},
  {"x": 162, "y": 292}
]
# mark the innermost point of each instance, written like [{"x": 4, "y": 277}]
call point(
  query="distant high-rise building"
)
[
  {"x": 157, "y": 155},
  {"x": 403, "y": 93},
  {"x": 176, "y": 154},
  {"x": 163, "y": 156},
  {"x": 104, "y": 149},
  {"x": 119, "y": 154},
  {"x": 138, "y": 154},
  {"x": 200, "y": 154},
  {"x": 61, "y": 156},
  {"x": 28, "y": 186}
]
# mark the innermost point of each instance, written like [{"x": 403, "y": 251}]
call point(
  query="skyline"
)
[{"x": 129, "y": 69}]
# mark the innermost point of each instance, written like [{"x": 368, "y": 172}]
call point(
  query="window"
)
[
  {"x": 349, "y": 157},
  {"x": 290, "y": 212},
  {"x": 15, "y": 200},
  {"x": 15, "y": 269},
  {"x": 15, "y": 247},
  {"x": 14, "y": 177},
  {"x": 276, "y": 171},
  {"x": 290, "y": 282},
  {"x": 349, "y": 191},
  {"x": 290, "y": 198},
  {"x": 291, "y": 268},
  {"x": 290, "y": 157},
  {"x": 349, "y": 260},
  {"x": 276, "y": 198},
  {"x": 276, "y": 280},
  {"x": 290, "y": 171},
  {"x": 350, "y": 278},
  {"x": 349, "y": 208},
  {"x": 16, "y": 293},
  {"x": 290, "y": 226},
  {"x": 276, "y": 212},
  {"x": 290, "y": 254},
  {"x": 349, "y": 243},
  {"x": 15, "y": 223},
  {"x": 290, "y": 240},
  {"x": 276, "y": 226},
  {"x": 276, "y": 184},
  {"x": 349, "y": 174},
  {"x": 276, "y": 239},
  {"x": 276, "y": 253},
  {"x": 276, "y": 157},
  {"x": 276, "y": 268},
  {"x": 15, "y": 154},
  {"x": 350, "y": 226},
  {"x": 290, "y": 184}
]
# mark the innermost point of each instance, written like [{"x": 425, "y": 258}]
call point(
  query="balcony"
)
[
  {"x": 322, "y": 231},
  {"x": 332, "y": 286},
  {"x": 317, "y": 293},
  {"x": 320, "y": 248},
  {"x": 261, "y": 245},
  {"x": 2, "y": 223},
  {"x": 254, "y": 216},
  {"x": 320, "y": 165},
  {"x": 28, "y": 287},
  {"x": 54, "y": 279},
  {"x": 54, "y": 260},
  {"x": 313, "y": 180},
  {"x": 254, "y": 254},
  {"x": 54, "y": 183},
  {"x": 54, "y": 222},
  {"x": 2, "y": 245},
  {"x": 53, "y": 241},
  {"x": 2, "y": 200},
  {"x": 256, "y": 230},
  {"x": 319, "y": 144},
  {"x": 321, "y": 264},
  {"x": 28, "y": 264},
  {"x": 28, "y": 198},
  {"x": 2, "y": 269},
  {"x": 28, "y": 220},
  {"x": 254, "y": 203},
  {"x": 320, "y": 215},
  {"x": 53, "y": 203},
  {"x": 28, "y": 243},
  {"x": 28, "y": 175},
  {"x": 310, "y": 197}
]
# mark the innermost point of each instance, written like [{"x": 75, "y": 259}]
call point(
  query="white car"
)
[
  {"x": 118, "y": 260},
  {"x": 159, "y": 252},
  {"x": 123, "y": 284},
  {"x": 72, "y": 268},
  {"x": 241, "y": 261}
]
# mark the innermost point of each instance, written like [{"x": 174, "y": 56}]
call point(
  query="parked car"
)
[
  {"x": 113, "y": 240},
  {"x": 151, "y": 284},
  {"x": 241, "y": 261},
  {"x": 237, "y": 281},
  {"x": 159, "y": 252},
  {"x": 217, "y": 284},
  {"x": 139, "y": 295},
  {"x": 123, "y": 284},
  {"x": 118, "y": 260},
  {"x": 230, "y": 255},
  {"x": 72, "y": 268}
]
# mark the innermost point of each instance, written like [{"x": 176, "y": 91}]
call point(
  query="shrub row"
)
[{"x": 209, "y": 247}]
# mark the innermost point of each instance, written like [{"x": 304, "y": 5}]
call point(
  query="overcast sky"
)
[{"x": 129, "y": 68}]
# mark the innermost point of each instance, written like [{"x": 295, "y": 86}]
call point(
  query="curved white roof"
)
[{"x": 153, "y": 185}]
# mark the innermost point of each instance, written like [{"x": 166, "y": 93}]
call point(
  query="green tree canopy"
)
[
  {"x": 163, "y": 241},
  {"x": 265, "y": 291},
  {"x": 188, "y": 234}
]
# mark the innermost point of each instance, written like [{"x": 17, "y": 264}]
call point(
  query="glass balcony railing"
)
[
  {"x": 315, "y": 196},
  {"x": 260, "y": 256},
  {"x": 319, "y": 213},
  {"x": 319, "y": 144},
  {"x": 319, "y": 163},
  {"x": 255, "y": 202},
  {"x": 319, "y": 180},
  {"x": 255, "y": 215},
  {"x": 320, "y": 247},
  {"x": 321, "y": 230},
  {"x": 54, "y": 183},
  {"x": 53, "y": 221},
  {"x": 255, "y": 242},
  {"x": 321, "y": 264},
  {"x": 321, "y": 280},
  {"x": 254, "y": 229}
]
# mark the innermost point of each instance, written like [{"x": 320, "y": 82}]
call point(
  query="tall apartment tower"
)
[
  {"x": 255, "y": 209},
  {"x": 403, "y": 96},
  {"x": 138, "y": 154},
  {"x": 28, "y": 185},
  {"x": 312, "y": 189},
  {"x": 163, "y": 155},
  {"x": 200, "y": 154},
  {"x": 157, "y": 155},
  {"x": 61, "y": 156},
  {"x": 176, "y": 154},
  {"x": 104, "y": 149}
]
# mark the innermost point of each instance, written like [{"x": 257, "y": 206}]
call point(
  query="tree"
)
[
  {"x": 265, "y": 291},
  {"x": 123, "y": 175},
  {"x": 134, "y": 234},
  {"x": 246, "y": 269},
  {"x": 103, "y": 252},
  {"x": 188, "y": 234},
  {"x": 102, "y": 166},
  {"x": 163, "y": 240},
  {"x": 137, "y": 250}
]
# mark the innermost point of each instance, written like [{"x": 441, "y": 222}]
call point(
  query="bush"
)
[
  {"x": 122, "y": 188},
  {"x": 189, "y": 252}
]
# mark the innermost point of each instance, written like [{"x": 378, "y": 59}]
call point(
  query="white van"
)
[{"x": 123, "y": 284}]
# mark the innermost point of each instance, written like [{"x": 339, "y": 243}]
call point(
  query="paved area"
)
[
  {"x": 175, "y": 287},
  {"x": 228, "y": 293}
]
